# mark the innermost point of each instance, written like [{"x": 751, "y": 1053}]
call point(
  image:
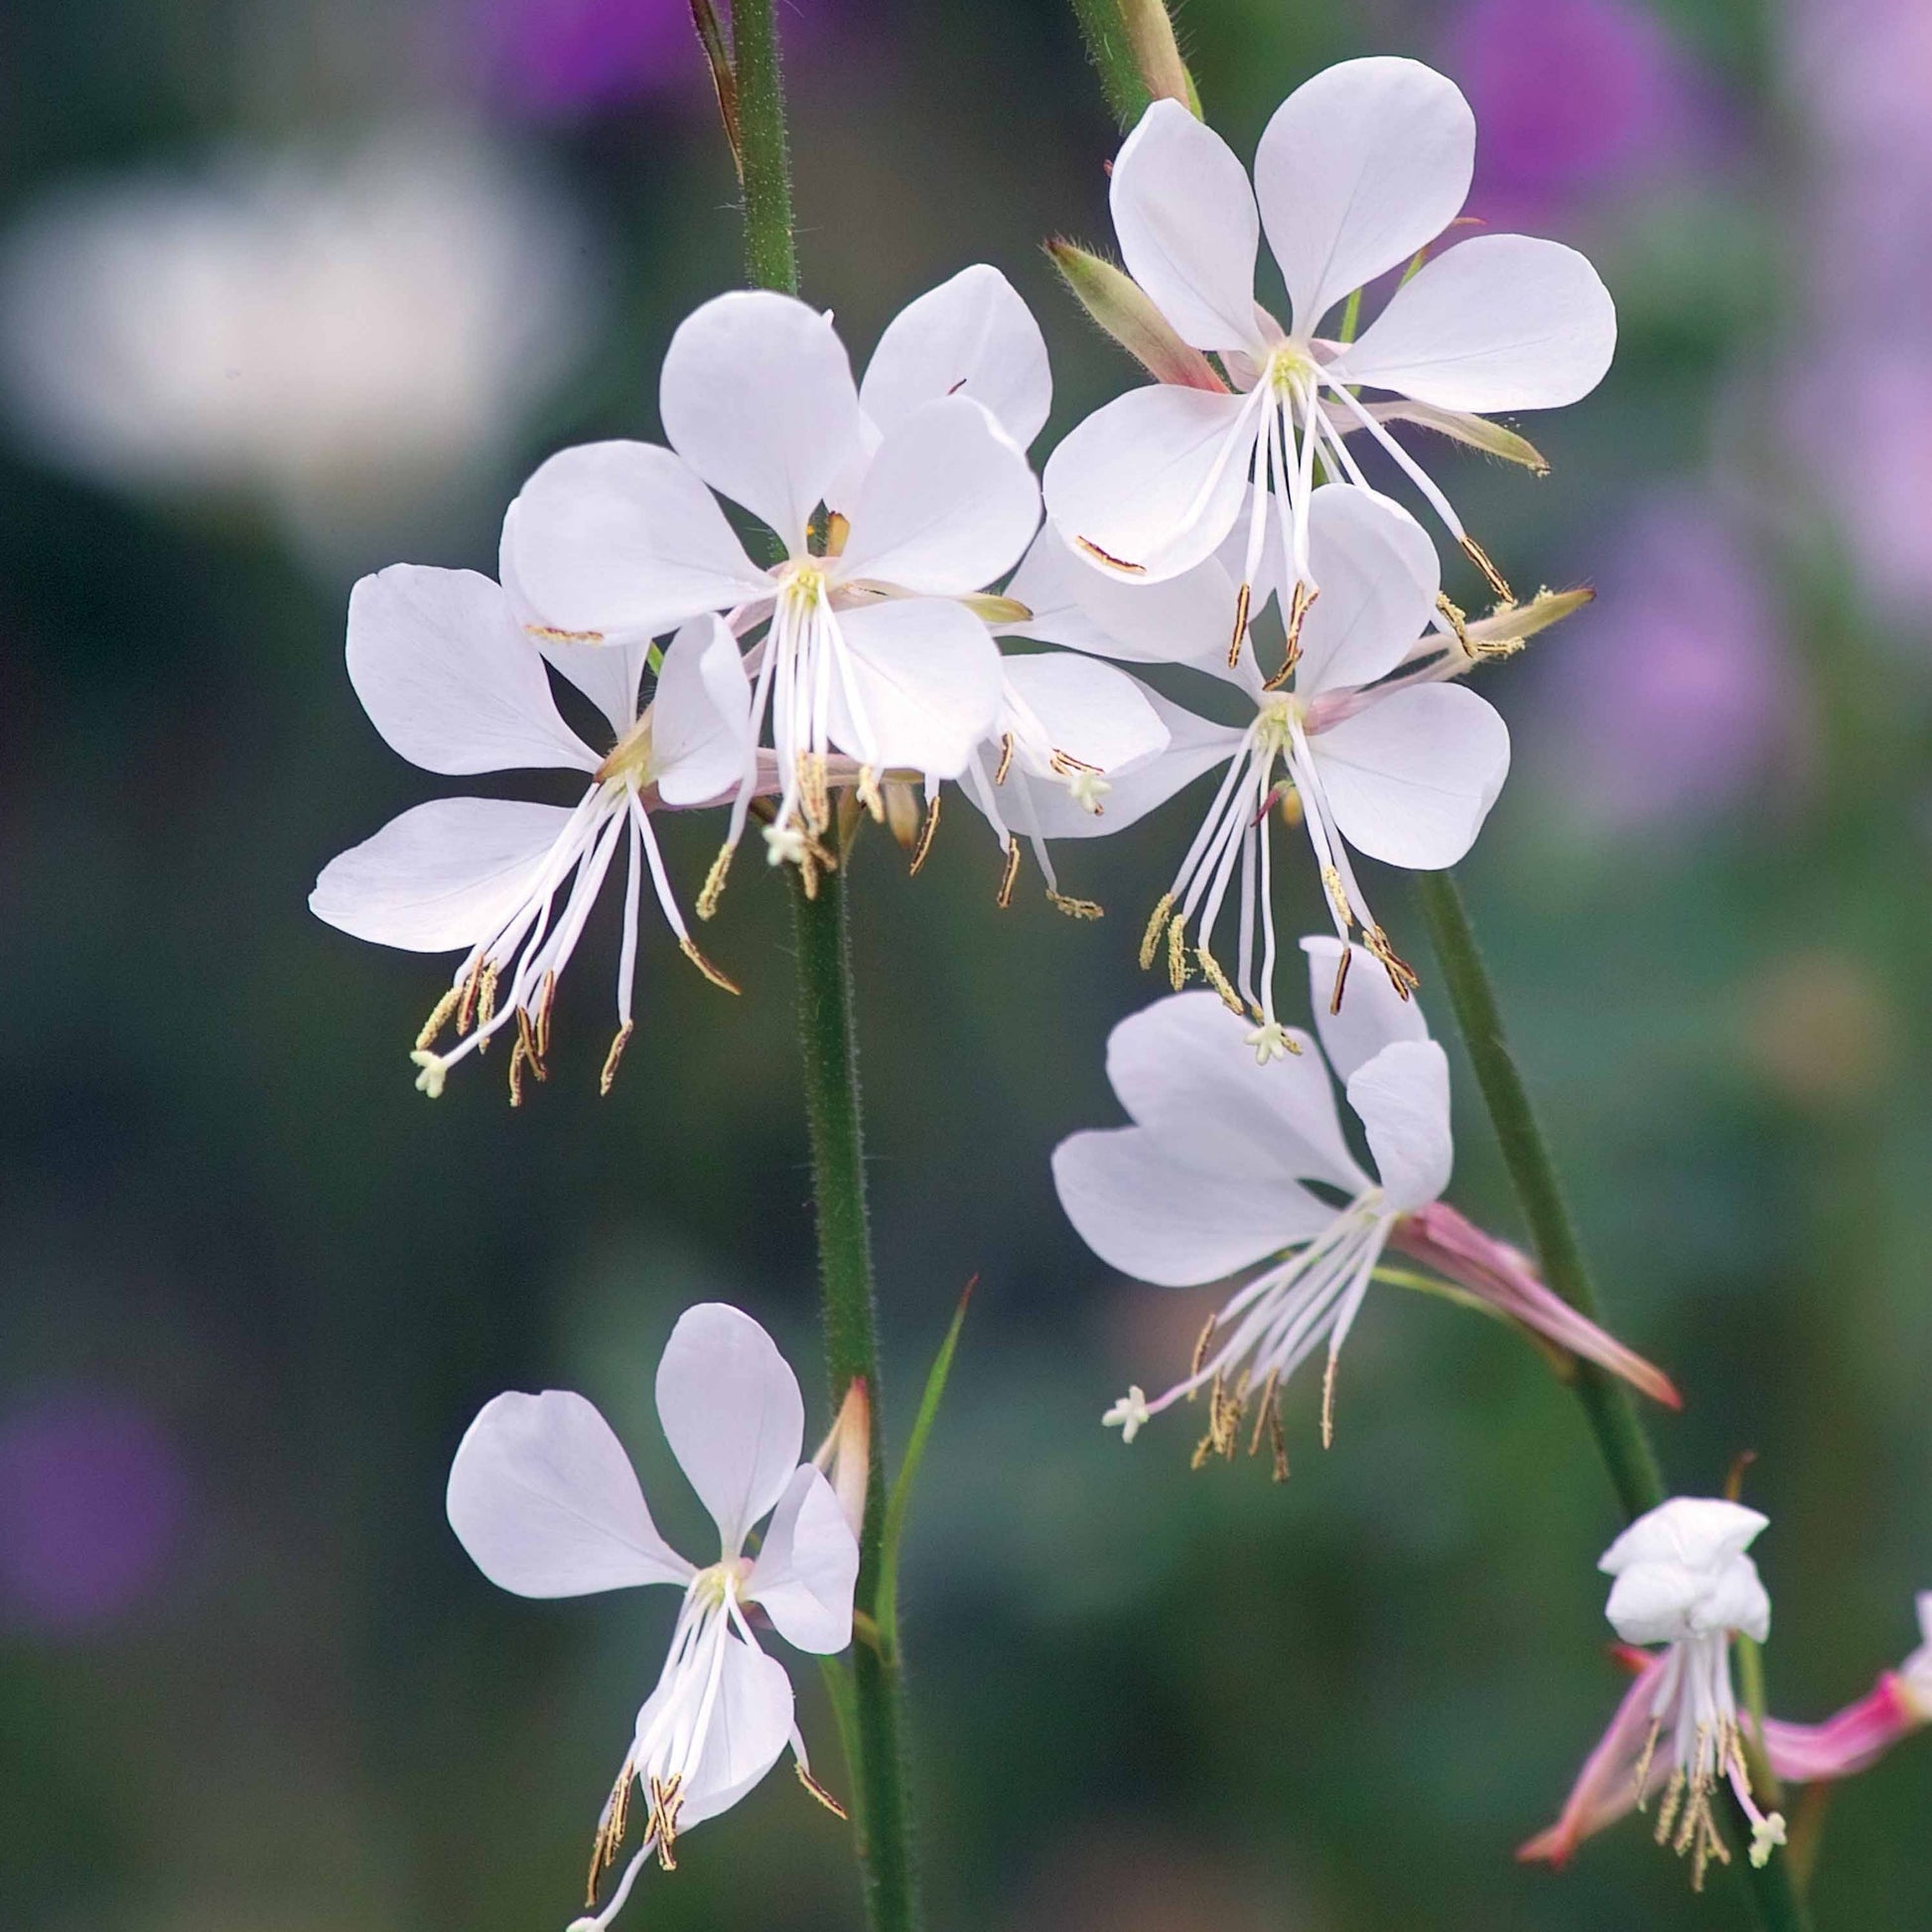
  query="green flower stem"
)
[
  {"x": 829, "y": 1049},
  {"x": 1607, "y": 1403},
  {"x": 1608, "y": 1407}
]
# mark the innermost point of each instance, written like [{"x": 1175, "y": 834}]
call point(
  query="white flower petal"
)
[
  {"x": 750, "y": 1725},
  {"x": 928, "y": 675},
  {"x": 756, "y": 396},
  {"x": 1195, "y": 744},
  {"x": 1096, "y": 715},
  {"x": 1143, "y": 1212},
  {"x": 1359, "y": 168},
  {"x": 1379, "y": 579},
  {"x": 449, "y": 677},
  {"x": 732, "y": 1414},
  {"x": 615, "y": 542},
  {"x": 1152, "y": 482},
  {"x": 1184, "y": 619},
  {"x": 1652, "y": 1601},
  {"x": 701, "y": 716},
  {"x": 545, "y": 1500},
  {"x": 1402, "y": 1097},
  {"x": 1735, "y": 1601},
  {"x": 1700, "y": 1532},
  {"x": 606, "y": 674},
  {"x": 1189, "y": 231},
  {"x": 1498, "y": 321},
  {"x": 1411, "y": 777},
  {"x": 1182, "y": 1068},
  {"x": 441, "y": 877},
  {"x": 948, "y": 503},
  {"x": 972, "y": 336},
  {"x": 1373, "y": 1015},
  {"x": 806, "y": 1566}
]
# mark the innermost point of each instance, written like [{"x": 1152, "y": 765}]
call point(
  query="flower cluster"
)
[{"x": 902, "y": 617}]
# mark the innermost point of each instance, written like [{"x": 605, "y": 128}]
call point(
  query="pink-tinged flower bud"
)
[
  {"x": 1116, "y": 303},
  {"x": 1855, "y": 1738},
  {"x": 1502, "y": 1279},
  {"x": 844, "y": 1458},
  {"x": 1150, "y": 32}
]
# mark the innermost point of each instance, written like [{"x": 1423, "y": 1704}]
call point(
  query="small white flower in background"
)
[
  {"x": 895, "y": 506},
  {"x": 1359, "y": 170},
  {"x": 545, "y": 1501},
  {"x": 453, "y": 683},
  {"x": 1683, "y": 1581},
  {"x": 346, "y": 334},
  {"x": 1210, "y": 1181},
  {"x": 1404, "y": 769}
]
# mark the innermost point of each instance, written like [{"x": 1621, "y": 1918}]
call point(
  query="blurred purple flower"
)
[
  {"x": 92, "y": 1497},
  {"x": 554, "y": 60},
  {"x": 1571, "y": 98},
  {"x": 1675, "y": 698}
]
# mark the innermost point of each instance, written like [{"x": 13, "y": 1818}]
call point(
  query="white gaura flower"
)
[
  {"x": 1683, "y": 1582},
  {"x": 890, "y": 507},
  {"x": 1212, "y": 1178},
  {"x": 1360, "y": 168},
  {"x": 1404, "y": 769},
  {"x": 453, "y": 683},
  {"x": 545, "y": 1501}
]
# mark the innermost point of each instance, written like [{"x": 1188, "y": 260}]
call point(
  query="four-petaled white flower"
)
[
  {"x": 1404, "y": 769},
  {"x": 453, "y": 683},
  {"x": 1211, "y": 1178},
  {"x": 1683, "y": 1581},
  {"x": 1360, "y": 168},
  {"x": 544, "y": 1500},
  {"x": 890, "y": 505}
]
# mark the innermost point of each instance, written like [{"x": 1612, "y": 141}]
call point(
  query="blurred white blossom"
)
[{"x": 342, "y": 333}]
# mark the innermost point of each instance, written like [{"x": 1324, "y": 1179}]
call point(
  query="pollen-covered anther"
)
[
  {"x": 1480, "y": 558},
  {"x": 1337, "y": 898},
  {"x": 814, "y": 792},
  {"x": 1402, "y": 976},
  {"x": 1211, "y": 972},
  {"x": 1176, "y": 954},
  {"x": 1454, "y": 616},
  {"x": 607, "y": 1078},
  {"x": 714, "y": 881},
  {"x": 927, "y": 832},
  {"x": 1006, "y": 759},
  {"x": 868, "y": 790},
  {"x": 1241, "y": 603},
  {"x": 1341, "y": 981},
  {"x": 1004, "y": 897},
  {"x": 439, "y": 1017},
  {"x": 609, "y": 1832},
  {"x": 1075, "y": 908},
  {"x": 660, "y": 1822},
  {"x": 820, "y": 1792},
  {"x": 1156, "y": 926},
  {"x": 711, "y": 972}
]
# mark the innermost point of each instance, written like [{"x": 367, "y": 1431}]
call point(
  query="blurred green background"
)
[{"x": 254, "y": 1286}]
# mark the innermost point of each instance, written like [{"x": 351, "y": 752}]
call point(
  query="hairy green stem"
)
[
  {"x": 1132, "y": 46},
  {"x": 829, "y": 1049},
  {"x": 1622, "y": 1438}
]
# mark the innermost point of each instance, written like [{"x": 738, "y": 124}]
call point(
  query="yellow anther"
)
[
  {"x": 704, "y": 966},
  {"x": 1075, "y": 908},
  {"x": 1151, "y": 939},
  {"x": 607, "y": 1078},
  {"x": 1480, "y": 558},
  {"x": 1176, "y": 954},
  {"x": 713, "y": 883},
  {"x": 438, "y": 1019},
  {"x": 1241, "y": 602},
  {"x": 926, "y": 834},
  {"x": 1211, "y": 972},
  {"x": 1004, "y": 897}
]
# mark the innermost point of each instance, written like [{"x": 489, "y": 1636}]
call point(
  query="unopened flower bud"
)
[
  {"x": 844, "y": 1458},
  {"x": 904, "y": 812},
  {"x": 1114, "y": 300}
]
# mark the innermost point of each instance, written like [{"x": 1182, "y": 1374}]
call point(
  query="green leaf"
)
[{"x": 887, "y": 1606}]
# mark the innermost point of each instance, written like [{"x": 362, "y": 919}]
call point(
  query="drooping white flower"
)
[
  {"x": 1359, "y": 170},
  {"x": 347, "y": 336},
  {"x": 1683, "y": 1581},
  {"x": 544, "y": 1500},
  {"x": 1402, "y": 768},
  {"x": 453, "y": 683},
  {"x": 891, "y": 507},
  {"x": 1212, "y": 1180}
]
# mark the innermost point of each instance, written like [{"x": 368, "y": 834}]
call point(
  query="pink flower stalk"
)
[{"x": 1502, "y": 1279}]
